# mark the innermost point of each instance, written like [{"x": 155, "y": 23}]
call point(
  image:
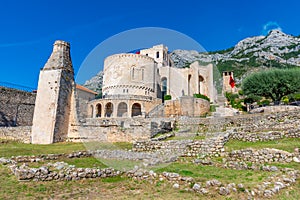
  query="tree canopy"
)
[{"x": 274, "y": 83}]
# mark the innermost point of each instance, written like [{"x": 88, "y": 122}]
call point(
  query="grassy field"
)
[
  {"x": 8, "y": 148},
  {"x": 12, "y": 148},
  {"x": 286, "y": 144},
  {"x": 203, "y": 173},
  {"x": 125, "y": 188}
]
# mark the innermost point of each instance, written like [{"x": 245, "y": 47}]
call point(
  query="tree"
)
[{"x": 274, "y": 83}]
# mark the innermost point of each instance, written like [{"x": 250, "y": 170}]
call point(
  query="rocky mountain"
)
[
  {"x": 277, "y": 49},
  {"x": 95, "y": 83}
]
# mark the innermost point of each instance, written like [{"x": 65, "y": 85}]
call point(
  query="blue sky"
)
[{"x": 29, "y": 28}]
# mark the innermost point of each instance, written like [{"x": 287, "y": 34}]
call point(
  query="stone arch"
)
[
  {"x": 189, "y": 85},
  {"x": 164, "y": 84},
  {"x": 98, "y": 110},
  {"x": 136, "y": 110},
  {"x": 164, "y": 87},
  {"x": 200, "y": 84},
  {"x": 122, "y": 110},
  {"x": 109, "y": 109}
]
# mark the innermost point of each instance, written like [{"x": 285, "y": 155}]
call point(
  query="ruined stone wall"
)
[
  {"x": 118, "y": 129},
  {"x": 281, "y": 121},
  {"x": 265, "y": 155},
  {"x": 19, "y": 133},
  {"x": 212, "y": 147},
  {"x": 186, "y": 106},
  {"x": 16, "y": 107},
  {"x": 196, "y": 79}
]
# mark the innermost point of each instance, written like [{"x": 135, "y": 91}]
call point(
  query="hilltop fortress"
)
[
  {"x": 143, "y": 94},
  {"x": 134, "y": 86}
]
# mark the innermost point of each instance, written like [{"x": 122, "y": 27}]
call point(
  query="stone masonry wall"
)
[
  {"x": 118, "y": 129},
  {"x": 19, "y": 133},
  {"x": 212, "y": 146},
  {"x": 265, "y": 155},
  {"x": 281, "y": 121},
  {"x": 16, "y": 107}
]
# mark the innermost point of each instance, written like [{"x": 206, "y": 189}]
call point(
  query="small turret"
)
[{"x": 60, "y": 57}]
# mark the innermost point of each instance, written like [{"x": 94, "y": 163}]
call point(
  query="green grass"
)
[
  {"x": 11, "y": 148},
  {"x": 88, "y": 162},
  {"x": 105, "y": 188},
  {"x": 109, "y": 146},
  {"x": 123, "y": 145},
  {"x": 293, "y": 165},
  {"x": 286, "y": 144},
  {"x": 120, "y": 187},
  {"x": 192, "y": 136},
  {"x": 204, "y": 173}
]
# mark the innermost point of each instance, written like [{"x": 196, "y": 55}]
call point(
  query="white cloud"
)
[{"x": 271, "y": 25}]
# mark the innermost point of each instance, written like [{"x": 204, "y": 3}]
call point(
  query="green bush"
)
[
  {"x": 201, "y": 96},
  {"x": 231, "y": 96},
  {"x": 167, "y": 97},
  {"x": 241, "y": 93},
  {"x": 272, "y": 84},
  {"x": 252, "y": 98},
  {"x": 212, "y": 108},
  {"x": 264, "y": 102},
  {"x": 294, "y": 97},
  {"x": 285, "y": 100},
  {"x": 234, "y": 101}
]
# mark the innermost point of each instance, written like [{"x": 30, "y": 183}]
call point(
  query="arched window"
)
[
  {"x": 189, "y": 85},
  {"x": 109, "y": 108},
  {"x": 136, "y": 110},
  {"x": 164, "y": 85},
  {"x": 99, "y": 110},
  {"x": 157, "y": 54},
  {"x": 122, "y": 110},
  {"x": 200, "y": 84}
]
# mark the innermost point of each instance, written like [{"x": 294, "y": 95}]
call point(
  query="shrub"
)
[
  {"x": 264, "y": 102},
  {"x": 294, "y": 97},
  {"x": 285, "y": 100},
  {"x": 273, "y": 84},
  {"x": 241, "y": 93},
  {"x": 167, "y": 97},
  {"x": 212, "y": 108},
  {"x": 252, "y": 98},
  {"x": 201, "y": 96}
]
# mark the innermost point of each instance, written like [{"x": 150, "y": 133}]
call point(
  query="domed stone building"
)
[{"x": 135, "y": 85}]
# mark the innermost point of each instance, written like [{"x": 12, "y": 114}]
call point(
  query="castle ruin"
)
[{"x": 134, "y": 86}]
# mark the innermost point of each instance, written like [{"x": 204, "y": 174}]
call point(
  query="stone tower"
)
[
  {"x": 53, "y": 101},
  {"x": 226, "y": 82}
]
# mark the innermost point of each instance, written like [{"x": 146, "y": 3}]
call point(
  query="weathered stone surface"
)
[
  {"x": 53, "y": 101},
  {"x": 224, "y": 191},
  {"x": 265, "y": 155},
  {"x": 196, "y": 187},
  {"x": 16, "y": 107}
]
